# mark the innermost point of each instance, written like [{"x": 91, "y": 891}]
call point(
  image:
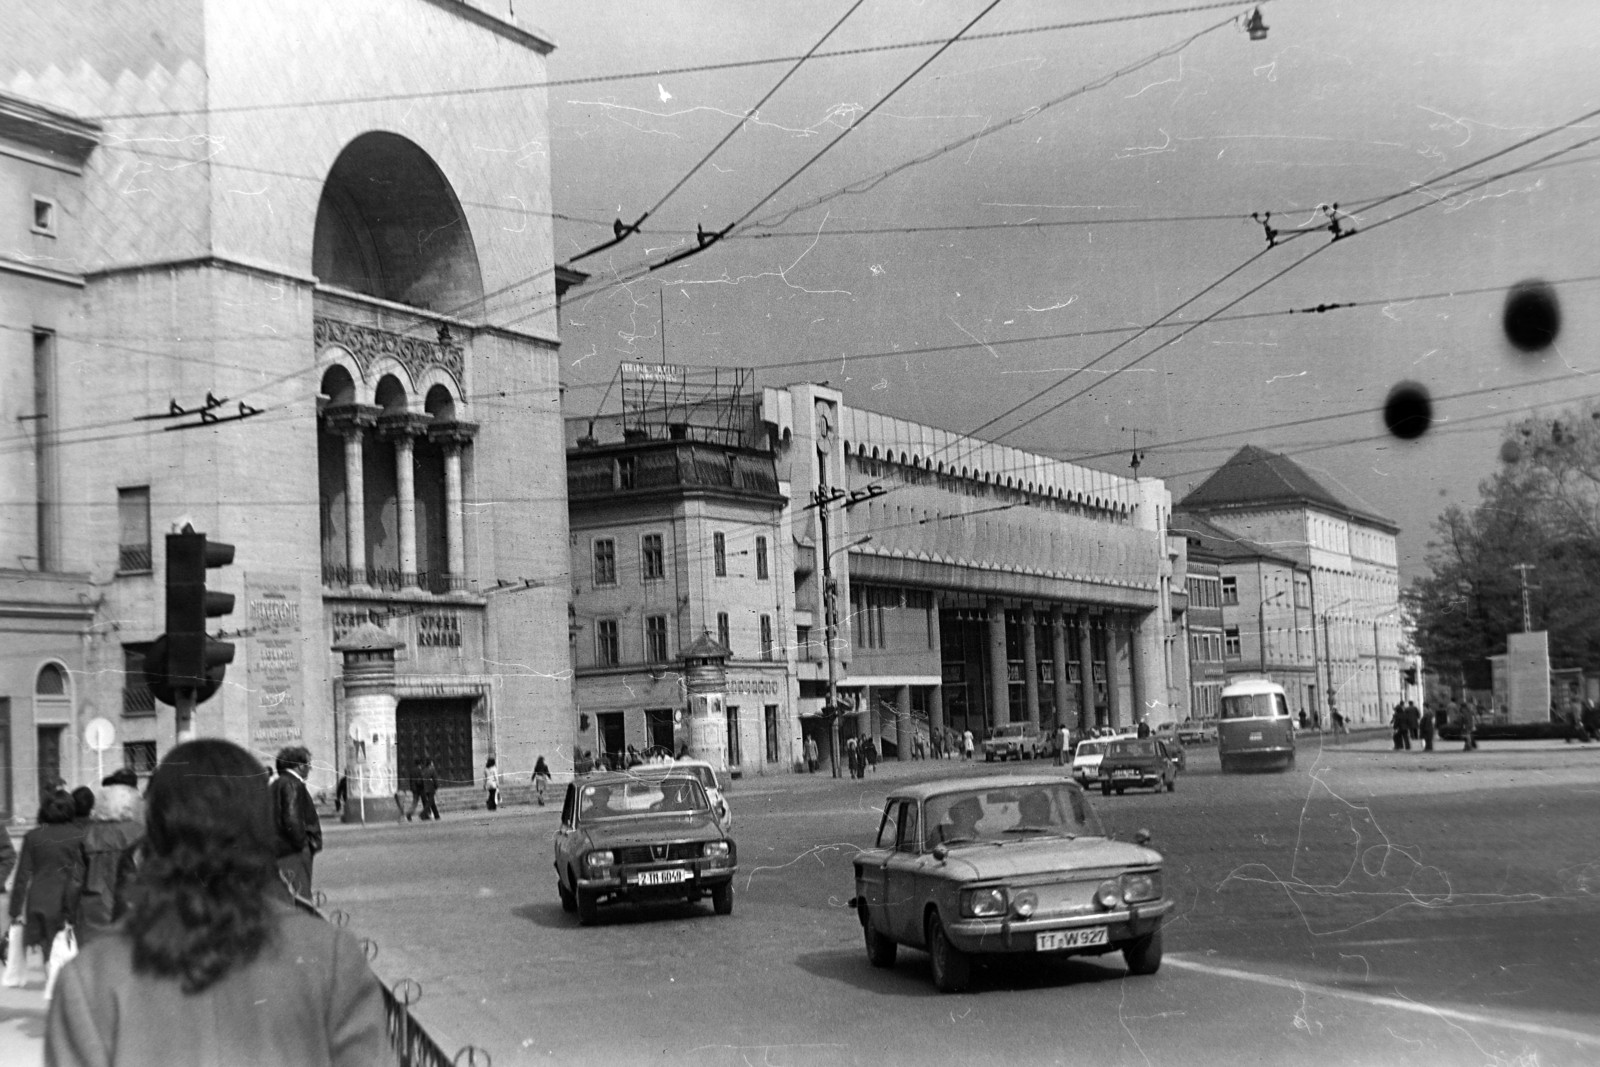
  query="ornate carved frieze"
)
[{"x": 369, "y": 345}]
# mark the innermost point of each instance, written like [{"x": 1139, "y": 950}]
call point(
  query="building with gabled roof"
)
[{"x": 1272, "y": 503}]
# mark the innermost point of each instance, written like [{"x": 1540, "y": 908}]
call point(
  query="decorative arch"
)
[
  {"x": 381, "y": 193},
  {"x": 440, "y": 403},
  {"x": 390, "y": 395},
  {"x": 338, "y": 384}
]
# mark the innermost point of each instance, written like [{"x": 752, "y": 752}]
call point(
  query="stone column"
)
[
  {"x": 1030, "y": 666},
  {"x": 1086, "y": 711},
  {"x": 902, "y": 723},
  {"x": 402, "y": 429},
  {"x": 454, "y": 437},
  {"x": 936, "y": 693},
  {"x": 935, "y": 710},
  {"x": 999, "y": 669},
  {"x": 369, "y": 703},
  {"x": 1141, "y": 697},
  {"x": 352, "y": 421},
  {"x": 1116, "y": 715},
  {"x": 1058, "y": 663}
]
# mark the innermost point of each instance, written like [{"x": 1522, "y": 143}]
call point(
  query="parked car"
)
[
  {"x": 1198, "y": 731},
  {"x": 1005, "y": 866},
  {"x": 645, "y": 835},
  {"x": 1256, "y": 728},
  {"x": 1012, "y": 740},
  {"x": 1139, "y": 763}
]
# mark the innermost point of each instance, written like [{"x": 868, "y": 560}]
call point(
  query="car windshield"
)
[
  {"x": 704, "y": 775},
  {"x": 1131, "y": 748},
  {"x": 668, "y": 795},
  {"x": 1091, "y": 748},
  {"x": 1255, "y": 706},
  {"x": 1008, "y": 731},
  {"x": 1009, "y": 814}
]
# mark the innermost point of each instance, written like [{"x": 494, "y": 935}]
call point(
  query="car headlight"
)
[
  {"x": 1025, "y": 903},
  {"x": 602, "y": 858},
  {"x": 1136, "y": 887},
  {"x": 714, "y": 850},
  {"x": 984, "y": 903},
  {"x": 1109, "y": 895}
]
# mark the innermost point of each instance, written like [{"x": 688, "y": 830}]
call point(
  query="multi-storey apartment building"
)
[{"x": 1349, "y": 556}]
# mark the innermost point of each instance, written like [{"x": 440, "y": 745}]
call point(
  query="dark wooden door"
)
[{"x": 440, "y": 730}]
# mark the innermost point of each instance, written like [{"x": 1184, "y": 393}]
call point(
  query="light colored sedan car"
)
[
  {"x": 1005, "y": 866},
  {"x": 708, "y": 778},
  {"x": 1086, "y": 760}
]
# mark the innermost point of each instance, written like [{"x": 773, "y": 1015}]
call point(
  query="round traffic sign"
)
[{"x": 99, "y": 734}]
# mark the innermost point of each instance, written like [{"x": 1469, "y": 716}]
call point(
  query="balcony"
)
[
  {"x": 393, "y": 580},
  {"x": 669, "y": 465}
]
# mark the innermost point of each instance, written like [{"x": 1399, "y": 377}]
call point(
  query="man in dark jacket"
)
[
  {"x": 295, "y": 816},
  {"x": 430, "y": 789}
]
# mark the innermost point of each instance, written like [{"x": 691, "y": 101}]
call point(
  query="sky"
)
[{"x": 1114, "y": 190}]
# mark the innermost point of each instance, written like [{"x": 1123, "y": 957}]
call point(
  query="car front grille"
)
[{"x": 678, "y": 850}]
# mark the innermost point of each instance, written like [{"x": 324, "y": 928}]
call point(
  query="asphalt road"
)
[{"x": 1367, "y": 908}]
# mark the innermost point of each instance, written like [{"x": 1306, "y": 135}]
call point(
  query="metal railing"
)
[{"x": 412, "y": 1044}]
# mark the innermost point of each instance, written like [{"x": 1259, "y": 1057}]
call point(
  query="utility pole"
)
[
  {"x": 1327, "y": 656},
  {"x": 830, "y": 611},
  {"x": 1527, "y": 605}
]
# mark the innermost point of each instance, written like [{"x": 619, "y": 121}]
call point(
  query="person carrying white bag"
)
[
  {"x": 46, "y": 870},
  {"x": 11, "y": 943}
]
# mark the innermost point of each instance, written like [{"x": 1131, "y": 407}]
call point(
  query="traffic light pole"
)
[{"x": 185, "y": 715}]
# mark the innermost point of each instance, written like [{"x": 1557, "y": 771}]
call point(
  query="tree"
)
[{"x": 1542, "y": 507}]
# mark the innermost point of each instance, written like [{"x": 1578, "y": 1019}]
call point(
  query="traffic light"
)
[
  {"x": 1411, "y": 676},
  {"x": 192, "y": 660}
]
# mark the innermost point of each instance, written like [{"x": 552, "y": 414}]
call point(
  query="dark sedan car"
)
[
  {"x": 1139, "y": 763},
  {"x": 646, "y": 835}
]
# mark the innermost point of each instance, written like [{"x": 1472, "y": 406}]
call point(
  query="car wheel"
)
[
  {"x": 1119, "y": 790},
  {"x": 1289, "y": 766},
  {"x": 952, "y": 970},
  {"x": 1105, "y": 789},
  {"x": 1143, "y": 954},
  {"x": 569, "y": 903},
  {"x": 588, "y": 907},
  {"x": 1172, "y": 784},
  {"x": 881, "y": 950},
  {"x": 1227, "y": 765},
  {"x": 988, "y": 757},
  {"x": 722, "y": 898}
]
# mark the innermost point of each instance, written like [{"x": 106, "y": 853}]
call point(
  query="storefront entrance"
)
[
  {"x": 613, "y": 738},
  {"x": 440, "y": 730}
]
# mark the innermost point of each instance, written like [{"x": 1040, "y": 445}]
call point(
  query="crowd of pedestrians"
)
[{"x": 180, "y": 904}]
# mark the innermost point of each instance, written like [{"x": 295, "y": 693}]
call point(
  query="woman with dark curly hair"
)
[{"x": 211, "y": 966}]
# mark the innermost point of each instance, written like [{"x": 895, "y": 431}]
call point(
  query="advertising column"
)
[
  {"x": 706, "y": 676},
  {"x": 370, "y": 703}
]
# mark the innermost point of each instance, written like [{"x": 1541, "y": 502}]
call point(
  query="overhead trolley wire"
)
[{"x": 622, "y": 231}]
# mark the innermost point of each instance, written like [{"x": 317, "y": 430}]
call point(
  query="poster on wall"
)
[{"x": 277, "y": 705}]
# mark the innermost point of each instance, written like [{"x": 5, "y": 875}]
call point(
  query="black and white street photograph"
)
[{"x": 799, "y": 534}]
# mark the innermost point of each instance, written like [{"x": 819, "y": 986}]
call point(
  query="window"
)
[
  {"x": 1230, "y": 590},
  {"x": 766, "y": 637},
  {"x": 722, "y": 630},
  {"x": 624, "y": 473},
  {"x": 606, "y": 652},
  {"x": 719, "y": 554},
  {"x": 802, "y": 640},
  {"x": 133, "y": 526},
  {"x": 655, "y": 638},
  {"x": 1230, "y": 643},
  {"x": 136, "y": 696},
  {"x": 605, "y": 561},
  {"x": 139, "y": 757},
  {"x": 772, "y": 733},
  {"x": 44, "y": 216},
  {"x": 761, "y": 559},
  {"x": 654, "y": 557}
]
